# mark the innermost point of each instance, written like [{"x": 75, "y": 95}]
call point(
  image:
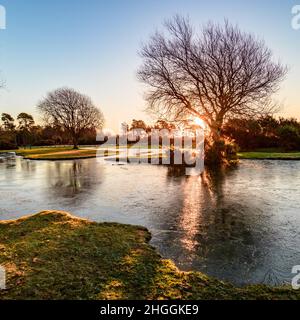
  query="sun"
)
[{"x": 199, "y": 122}]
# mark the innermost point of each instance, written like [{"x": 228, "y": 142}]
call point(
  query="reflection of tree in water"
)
[
  {"x": 226, "y": 219},
  {"x": 216, "y": 229},
  {"x": 176, "y": 171},
  {"x": 73, "y": 178},
  {"x": 27, "y": 166}
]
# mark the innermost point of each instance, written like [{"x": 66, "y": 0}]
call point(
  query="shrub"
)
[
  {"x": 221, "y": 152},
  {"x": 4, "y": 145},
  {"x": 44, "y": 143},
  {"x": 289, "y": 137}
]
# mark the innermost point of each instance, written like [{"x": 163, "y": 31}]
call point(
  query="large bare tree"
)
[
  {"x": 71, "y": 110},
  {"x": 218, "y": 73}
]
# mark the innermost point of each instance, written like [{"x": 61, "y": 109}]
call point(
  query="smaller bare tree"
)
[{"x": 72, "y": 111}]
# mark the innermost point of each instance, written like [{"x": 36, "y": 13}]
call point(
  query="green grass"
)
[
  {"x": 38, "y": 149},
  {"x": 270, "y": 155},
  {"x": 67, "y": 153},
  {"x": 53, "y": 255},
  {"x": 63, "y": 153},
  {"x": 55, "y": 153}
]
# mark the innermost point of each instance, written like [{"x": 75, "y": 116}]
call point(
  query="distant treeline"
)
[
  {"x": 24, "y": 132},
  {"x": 267, "y": 132}
]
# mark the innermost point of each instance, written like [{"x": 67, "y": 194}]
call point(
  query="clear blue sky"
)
[{"x": 92, "y": 46}]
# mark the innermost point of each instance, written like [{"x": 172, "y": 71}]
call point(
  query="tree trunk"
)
[
  {"x": 75, "y": 143},
  {"x": 214, "y": 154}
]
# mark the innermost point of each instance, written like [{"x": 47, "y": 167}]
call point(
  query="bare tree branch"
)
[
  {"x": 71, "y": 110},
  {"x": 219, "y": 73}
]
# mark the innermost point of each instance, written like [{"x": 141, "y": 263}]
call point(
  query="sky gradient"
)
[{"x": 93, "y": 46}]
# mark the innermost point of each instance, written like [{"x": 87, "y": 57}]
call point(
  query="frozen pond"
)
[{"x": 242, "y": 225}]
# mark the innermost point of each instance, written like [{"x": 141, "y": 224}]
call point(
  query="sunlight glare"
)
[{"x": 200, "y": 122}]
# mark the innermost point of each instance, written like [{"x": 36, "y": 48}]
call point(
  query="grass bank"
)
[
  {"x": 63, "y": 153},
  {"x": 56, "y": 153},
  {"x": 259, "y": 155},
  {"x": 53, "y": 255}
]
